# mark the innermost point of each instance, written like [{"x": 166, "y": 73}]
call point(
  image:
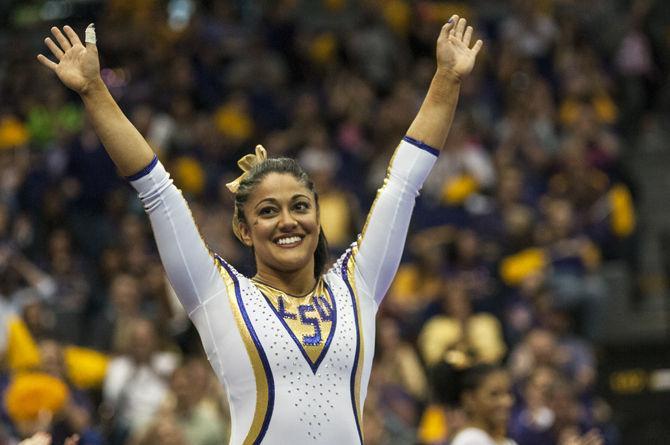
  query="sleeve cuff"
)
[
  {"x": 145, "y": 171},
  {"x": 151, "y": 179},
  {"x": 421, "y": 145}
]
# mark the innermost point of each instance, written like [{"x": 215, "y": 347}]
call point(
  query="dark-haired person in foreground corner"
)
[{"x": 294, "y": 343}]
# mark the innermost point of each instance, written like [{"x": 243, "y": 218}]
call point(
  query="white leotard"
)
[
  {"x": 295, "y": 369},
  {"x": 476, "y": 436}
]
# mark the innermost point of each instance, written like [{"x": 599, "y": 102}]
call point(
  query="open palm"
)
[
  {"x": 45, "y": 439},
  {"x": 78, "y": 66},
  {"x": 453, "y": 47}
]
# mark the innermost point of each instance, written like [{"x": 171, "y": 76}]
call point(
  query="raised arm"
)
[
  {"x": 380, "y": 246},
  {"x": 190, "y": 267},
  {"x": 455, "y": 59},
  {"x": 78, "y": 68}
]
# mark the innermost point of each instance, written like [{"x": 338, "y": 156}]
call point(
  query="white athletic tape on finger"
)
[{"x": 90, "y": 34}]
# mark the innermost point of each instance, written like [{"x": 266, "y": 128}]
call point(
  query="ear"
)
[{"x": 245, "y": 234}]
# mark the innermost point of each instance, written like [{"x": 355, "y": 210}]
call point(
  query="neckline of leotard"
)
[{"x": 311, "y": 292}]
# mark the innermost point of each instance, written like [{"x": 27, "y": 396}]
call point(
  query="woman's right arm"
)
[{"x": 190, "y": 267}]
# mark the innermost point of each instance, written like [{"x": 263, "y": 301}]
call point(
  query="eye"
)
[
  {"x": 302, "y": 206},
  {"x": 267, "y": 211}
]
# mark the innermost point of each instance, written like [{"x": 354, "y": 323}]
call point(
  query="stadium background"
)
[{"x": 544, "y": 230}]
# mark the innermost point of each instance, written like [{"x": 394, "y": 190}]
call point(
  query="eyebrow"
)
[{"x": 276, "y": 202}]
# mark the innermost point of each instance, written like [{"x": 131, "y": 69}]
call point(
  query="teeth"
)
[{"x": 291, "y": 240}]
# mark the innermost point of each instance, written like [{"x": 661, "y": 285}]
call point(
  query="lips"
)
[{"x": 288, "y": 240}]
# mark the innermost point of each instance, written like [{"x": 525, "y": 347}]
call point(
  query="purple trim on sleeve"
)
[
  {"x": 145, "y": 171},
  {"x": 422, "y": 146}
]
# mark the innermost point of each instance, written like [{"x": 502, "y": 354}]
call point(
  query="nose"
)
[
  {"x": 286, "y": 221},
  {"x": 507, "y": 400}
]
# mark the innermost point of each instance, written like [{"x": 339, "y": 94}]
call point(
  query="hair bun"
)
[{"x": 246, "y": 163}]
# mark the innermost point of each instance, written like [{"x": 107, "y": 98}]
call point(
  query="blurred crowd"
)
[{"x": 503, "y": 260}]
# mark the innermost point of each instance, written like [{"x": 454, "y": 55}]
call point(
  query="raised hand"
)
[
  {"x": 572, "y": 437},
  {"x": 78, "y": 66},
  {"x": 45, "y": 439},
  {"x": 72, "y": 440},
  {"x": 453, "y": 47},
  {"x": 38, "y": 439}
]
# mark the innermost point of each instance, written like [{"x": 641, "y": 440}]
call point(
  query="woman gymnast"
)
[{"x": 293, "y": 345}]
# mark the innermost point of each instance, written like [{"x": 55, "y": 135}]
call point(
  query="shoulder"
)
[
  {"x": 472, "y": 436},
  {"x": 484, "y": 319}
]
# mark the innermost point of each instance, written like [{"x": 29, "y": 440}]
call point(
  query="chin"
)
[{"x": 290, "y": 261}]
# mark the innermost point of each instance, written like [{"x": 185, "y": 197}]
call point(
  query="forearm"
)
[
  {"x": 123, "y": 142},
  {"x": 433, "y": 121}
]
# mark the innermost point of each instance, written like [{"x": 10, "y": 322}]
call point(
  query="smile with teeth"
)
[{"x": 288, "y": 241}]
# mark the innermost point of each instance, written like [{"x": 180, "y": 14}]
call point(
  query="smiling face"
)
[{"x": 281, "y": 223}]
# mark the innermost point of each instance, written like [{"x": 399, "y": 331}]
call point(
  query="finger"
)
[
  {"x": 74, "y": 38},
  {"x": 62, "y": 40},
  {"x": 477, "y": 47},
  {"x": 460, "y": 28},
  {"x": 450, "y": 26},
  {"x": 450, "y": 23},
  {"x": 55, "y": 50},
  {"x": 467, "y": 36},
  {"x": 72, "y": 440},
  {"x": 90, "y": 37},
  {"x": 593, "y": 438},
  {"x": 46, "y": 62}
]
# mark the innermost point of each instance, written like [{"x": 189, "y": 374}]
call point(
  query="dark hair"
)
[
  {"x": 284, "y": 166},
  {"x": 450, "y": 382}
]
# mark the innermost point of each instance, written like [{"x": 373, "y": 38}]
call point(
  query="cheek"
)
[{"x": 256, "y": 231}]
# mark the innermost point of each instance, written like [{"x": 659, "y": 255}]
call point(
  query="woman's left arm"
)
[{"x": 380, "y": 246}]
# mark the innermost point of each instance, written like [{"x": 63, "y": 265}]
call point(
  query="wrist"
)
[
  {"x": 447, "y": 74},
  {"x": 92, "y": 88}
]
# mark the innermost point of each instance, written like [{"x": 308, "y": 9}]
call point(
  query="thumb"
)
[{"x": 90, "y": 38}]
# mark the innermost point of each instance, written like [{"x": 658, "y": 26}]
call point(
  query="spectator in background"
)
[
  {"x": 398, "y": 361},
  {"x": 136, "y": 382},
  {"x": 45, "y": 439},
  {"x": 458, "y": 331},
  {"x": 533, "y": 418},
  {"x": 79, "y": 412},
  {"x": 111, "y": 330},
  {"x": 193, "y": 405},
  {"x": 484, "y": 393}
]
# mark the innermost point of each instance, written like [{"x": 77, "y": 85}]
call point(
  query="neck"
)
[
  {"x": 299, "y": 282},
  {"x": 184, "y": 405},
  {"x": 486, "y": 427}
]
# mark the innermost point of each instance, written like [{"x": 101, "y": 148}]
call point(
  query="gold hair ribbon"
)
[{"x": 246, "y": 163}]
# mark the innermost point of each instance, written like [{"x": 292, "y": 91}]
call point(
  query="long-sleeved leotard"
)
[{"x": 295, "y": 369}]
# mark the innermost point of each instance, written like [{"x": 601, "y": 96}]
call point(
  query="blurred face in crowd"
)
[
  {"x": 125, "y": 294},
  {"x": 564, "y": 403},
  {"x": 165, "y": 431},
  {"x": 457, "y": 302},
  {"x": 389, "y": 334},
  {"x": 539, "y": 387},
  {"x": 4, "y": 220},
  {"x": 52, "y": 358},
  {"x": 467, "y": 245},
  {"x": 560, "y": 216},
  {"x": 190, "y": 383},
  {"x": 282, "y": 224},
  {"x": 143, "y": 341},
  {"x": 489, "y": 404},
  {"x": 542, "y": 345},
  {"x": 182, "y": 388}
]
